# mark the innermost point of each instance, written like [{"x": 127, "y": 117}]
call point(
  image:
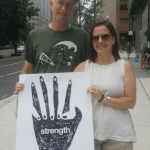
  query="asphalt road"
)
[{"x": 10, "y": 68}]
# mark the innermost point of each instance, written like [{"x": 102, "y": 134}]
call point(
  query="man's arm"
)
[{"x": 28, "y": 67}]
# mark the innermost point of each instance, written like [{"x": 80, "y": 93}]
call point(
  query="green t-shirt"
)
[{"x": 52, "y": 51}]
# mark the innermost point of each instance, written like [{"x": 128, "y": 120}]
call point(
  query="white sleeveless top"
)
[{"x": 110, "y": 122}]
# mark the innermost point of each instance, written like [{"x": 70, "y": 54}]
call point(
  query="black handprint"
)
[{"x": 53, "y": 132}]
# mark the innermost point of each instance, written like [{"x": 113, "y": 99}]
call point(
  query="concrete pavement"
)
[
  {"x": 8, "y": 124},
  {"x": 140, "y": 114},
  {"x": 8, "y": 53}
]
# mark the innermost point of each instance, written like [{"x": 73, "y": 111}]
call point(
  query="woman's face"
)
[{"x": 102, "y": 39}]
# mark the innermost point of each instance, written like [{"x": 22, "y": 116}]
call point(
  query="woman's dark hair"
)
[{"x": 92, "y": 52}]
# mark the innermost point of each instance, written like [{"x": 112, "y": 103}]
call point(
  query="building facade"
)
[
  {"x": 117, "y": 12},
  {"x": 122, "y": 24},
  {"x": 141, "y": 8},
  {"x": 109, "y": 9},
  {"x": 45, "y": 14}
]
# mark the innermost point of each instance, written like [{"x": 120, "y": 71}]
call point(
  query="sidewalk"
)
[
  {"x": 139, "y": 73},
  {"x": 140, "y": 114},
  {"x": 8, "y": 53}
]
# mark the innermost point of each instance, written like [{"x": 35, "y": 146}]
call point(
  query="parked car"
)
[{"x": 21, "y": 49}]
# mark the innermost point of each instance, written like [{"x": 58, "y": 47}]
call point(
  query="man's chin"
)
[{"x": 63, "y": 20}]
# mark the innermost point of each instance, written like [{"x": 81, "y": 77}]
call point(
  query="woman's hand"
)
[
  {"x": 95, "y": 92},
  {"x": 19, "y": 87}
]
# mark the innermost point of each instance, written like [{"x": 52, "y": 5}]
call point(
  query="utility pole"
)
[{"x": 94, "y": 10}]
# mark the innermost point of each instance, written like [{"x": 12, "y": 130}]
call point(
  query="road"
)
[{"x": 10, "y": 68}]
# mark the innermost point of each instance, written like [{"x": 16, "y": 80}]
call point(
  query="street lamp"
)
[{"x": 107, "y": 18}]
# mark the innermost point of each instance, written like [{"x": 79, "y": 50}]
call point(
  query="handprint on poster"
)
[{"x": 54, "y": 132}]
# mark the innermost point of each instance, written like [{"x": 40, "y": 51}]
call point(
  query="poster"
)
[{"x": 55, "y": 112}]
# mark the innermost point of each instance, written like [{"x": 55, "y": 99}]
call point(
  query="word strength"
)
[{"x": 60, "y": 131}]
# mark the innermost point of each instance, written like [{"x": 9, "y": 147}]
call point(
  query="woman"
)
[{"x": 113, "y": 89}]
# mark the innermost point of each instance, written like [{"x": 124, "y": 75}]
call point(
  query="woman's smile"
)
[{"x": 101, "y": 47}]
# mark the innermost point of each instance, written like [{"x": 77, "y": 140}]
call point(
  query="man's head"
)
[{"x": 62, "y": 10}]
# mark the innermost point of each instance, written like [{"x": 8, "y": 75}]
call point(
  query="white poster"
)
[{"x": 55, "y": 112}]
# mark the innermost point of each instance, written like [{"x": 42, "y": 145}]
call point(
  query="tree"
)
[
  {"x": 92, "y": 15},
  {"x": 13, "y": 18},
  {"x": 23, "y": 33},
  {"x": 79, "y": 14},
  {"x": 87, "y": 16}
]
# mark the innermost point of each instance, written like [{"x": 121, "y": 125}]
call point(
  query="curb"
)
[
  {"x": 5, "y": 56},
  {"x": 9, "y": 55},
  {"x": 7, "y": 100},
  {"x": 1, "y": 56}
]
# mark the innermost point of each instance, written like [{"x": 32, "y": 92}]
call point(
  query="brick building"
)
[
  {"x": 109, "y": 9},
  {"x": 117, "y": 11},
  {"x": 122, "y": 24}
]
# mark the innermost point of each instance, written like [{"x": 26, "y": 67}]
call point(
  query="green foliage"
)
[
  {"x": 23, "y": 33},
  {"x": 84, "y": 17},
  {"x": 13, "y": 18}
]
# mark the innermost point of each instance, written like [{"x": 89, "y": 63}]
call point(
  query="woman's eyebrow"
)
[{"x": 100, "y": 34}]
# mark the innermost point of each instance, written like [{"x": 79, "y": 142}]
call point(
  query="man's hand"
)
[
  {"x": 19, "y": 87},
  {"x": 54, "y": 132}
]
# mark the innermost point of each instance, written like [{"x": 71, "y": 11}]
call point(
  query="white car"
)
[{"x": 20, "y": 49}]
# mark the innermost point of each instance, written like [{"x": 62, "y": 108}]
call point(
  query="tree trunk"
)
[{"x": 15, "y": 47}]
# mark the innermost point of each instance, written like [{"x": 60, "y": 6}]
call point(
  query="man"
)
[
  {"x": 128, "y": 49},
  {"x": 58, "y": 47}
]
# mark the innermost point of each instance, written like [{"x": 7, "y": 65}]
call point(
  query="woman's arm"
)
[
  {"x": 129, "y": 98},
  {"x": 80, "y": 67}
]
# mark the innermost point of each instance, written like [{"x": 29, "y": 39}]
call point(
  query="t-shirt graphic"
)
[{"x": 61, "y": 53}]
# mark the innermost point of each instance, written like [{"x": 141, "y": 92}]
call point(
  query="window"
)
[
  {"x": 29, "y": 19},
  {"x": 124, "y": 19},
  {"x": 123, "y": 7}
]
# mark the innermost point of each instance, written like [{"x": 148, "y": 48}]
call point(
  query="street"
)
[{"x": 10, "y": 68}]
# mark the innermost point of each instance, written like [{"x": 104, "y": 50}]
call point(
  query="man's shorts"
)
[{"x": 112, "y": 145}]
